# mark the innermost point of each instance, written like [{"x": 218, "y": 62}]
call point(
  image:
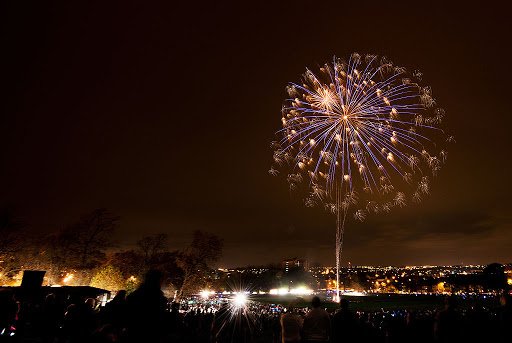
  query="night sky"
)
[{"x": 163, "y": 112}]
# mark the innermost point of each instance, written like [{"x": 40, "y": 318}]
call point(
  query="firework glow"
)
[{"x": 360, "y": 137}]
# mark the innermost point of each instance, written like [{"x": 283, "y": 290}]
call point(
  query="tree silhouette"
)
[
  {"x": 12, "y": 238},
  {"x": 82, "y": 245},
  {"x": 204, "y": 249},
  {"x": 151, "y": 247},
  {"x": 494, "y": 277}
]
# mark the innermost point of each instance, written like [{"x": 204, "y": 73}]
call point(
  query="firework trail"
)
[{"x": 361, "y": 137}]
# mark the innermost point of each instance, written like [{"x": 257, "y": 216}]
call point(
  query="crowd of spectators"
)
[{"x": 145, "y": 315}]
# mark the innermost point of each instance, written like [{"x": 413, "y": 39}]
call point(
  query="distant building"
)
[{"x": 294, "y": 263}]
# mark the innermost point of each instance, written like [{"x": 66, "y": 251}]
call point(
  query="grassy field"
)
[{"x": 378, "y": 302}]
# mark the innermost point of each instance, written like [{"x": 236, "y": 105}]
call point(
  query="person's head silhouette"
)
[
  {"x": 153, "y": 279},
  {"x": 344, "y": 304},
  {"x": 315, "y": 302}
]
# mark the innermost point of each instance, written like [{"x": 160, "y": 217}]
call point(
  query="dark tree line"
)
[
  {"x": 11, "y": 241},
  {"x": 86, "y": 249}
]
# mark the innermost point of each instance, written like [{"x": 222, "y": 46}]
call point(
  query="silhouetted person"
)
[
  {"x": 146, "y": 309},
  {"x": 447, "y": 323},
  {"x": 105, "y": 334},
  {"x": 412, "y": 332},
  {"x": 50, "y": 317},
  {"x": 8, "y": 311},
  {"x": 505, "y": 317},
  {"x": 89, "y": 316},
  {"x": 175, "y": 324},
  {"x": 221, "y": 326},
  {"x": 275, "y": 324},
  {"x": 230, "y": 325},
  {"x": 291, "y": 326},
  {"x": 477, "y": 327},
  {"x": 393, "y": 327},
  {"x": 205, "y": 326},
  {"x": 114, "y": 312},
  {"x": 344, "y": 323},
  {"x": 80, "y": 321},
  {"x": 317, "y": 324}
]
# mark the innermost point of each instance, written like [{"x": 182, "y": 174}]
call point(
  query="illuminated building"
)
[{"x": 294, "y": 263}]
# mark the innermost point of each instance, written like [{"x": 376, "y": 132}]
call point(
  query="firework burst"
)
[{"x": 360, "y": 136}]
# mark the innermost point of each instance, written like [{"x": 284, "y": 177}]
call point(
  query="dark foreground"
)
[{"x": 146, "y": 316}]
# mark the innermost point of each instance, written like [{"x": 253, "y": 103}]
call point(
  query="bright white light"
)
[
  {"x": 295, "y": 291},
  {"x": 336, "y": 298},
  {"x": 240, "y": 299},
  {"x": 355, "y": 294},
  {"x": 301, "y": 291},
  {"x": 205, "y": 294}
]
